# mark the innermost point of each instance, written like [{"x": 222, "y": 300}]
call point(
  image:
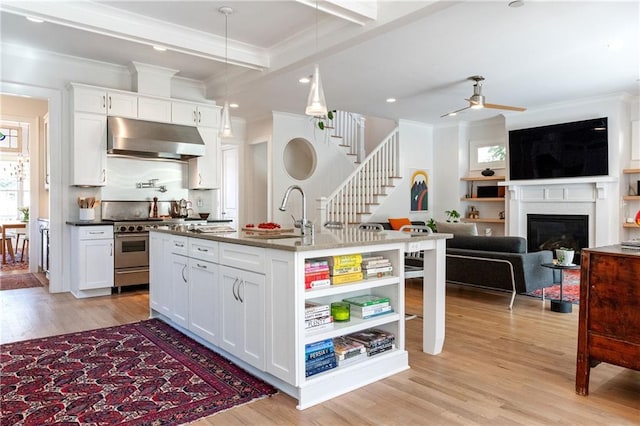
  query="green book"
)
[{"x": 366, "y": 300}]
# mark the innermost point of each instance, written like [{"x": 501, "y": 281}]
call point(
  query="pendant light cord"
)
[{"x": 226, "y": 57}]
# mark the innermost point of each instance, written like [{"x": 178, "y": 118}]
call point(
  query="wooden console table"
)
[{"x": 609, "y": 320}]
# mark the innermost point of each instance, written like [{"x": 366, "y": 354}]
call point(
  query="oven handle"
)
[{"x": 132, "y": 234}]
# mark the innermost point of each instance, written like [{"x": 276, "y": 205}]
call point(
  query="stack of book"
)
[
  {"x": 375, "y": 340},
  {"x": 376, "y": 267},
  {"x": 319, "y": 357},
  {"x": 345, "y": 269},
  {"x": 316, "y": 274},
  {"x": 369, "y": 306},
  {"x": 317, "y": 316},
  {"x": 348, "y": 350}
]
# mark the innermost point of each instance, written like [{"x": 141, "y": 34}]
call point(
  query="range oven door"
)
[{"x": 131, "y": 261}]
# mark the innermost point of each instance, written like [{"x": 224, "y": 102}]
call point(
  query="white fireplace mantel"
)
[{"x": 595, "y": 197}]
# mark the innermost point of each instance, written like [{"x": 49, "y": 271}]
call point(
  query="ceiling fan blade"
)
[
  {"x": 506, "y": 107},
  {"x": 455, "y": 112}
]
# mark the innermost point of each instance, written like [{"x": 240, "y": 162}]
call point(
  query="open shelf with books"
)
[{"x": 378, "y": 272}]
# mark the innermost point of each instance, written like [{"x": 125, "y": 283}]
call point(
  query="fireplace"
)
[{"x": 552, "y": 231}]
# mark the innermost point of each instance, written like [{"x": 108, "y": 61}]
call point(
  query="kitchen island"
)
[{"x": 244, "y": 296}]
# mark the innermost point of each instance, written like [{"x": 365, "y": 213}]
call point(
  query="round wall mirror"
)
[{"x": 299, "y": 158}]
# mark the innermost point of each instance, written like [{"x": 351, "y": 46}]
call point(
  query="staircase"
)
[
  {"x": 358, "y": 195},
  {"x": 348, "y": 129}
]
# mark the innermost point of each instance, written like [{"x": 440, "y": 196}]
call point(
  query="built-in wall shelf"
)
[
  {"x": 630, "y": 171},
  {"x": 631, "y": 197},
  {"x": 483, "y": 220},
  {"x": 631, "y": 225},
  {"x": 483, "y": 199},
  {"x": 481, "y": 178}
]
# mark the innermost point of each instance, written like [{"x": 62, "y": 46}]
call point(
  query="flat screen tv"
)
[{"x": 564, "y": 150}]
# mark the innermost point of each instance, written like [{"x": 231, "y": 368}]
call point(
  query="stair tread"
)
[
  {"x": 346, "y": 146},
  {"x": 336, "y": 136}
]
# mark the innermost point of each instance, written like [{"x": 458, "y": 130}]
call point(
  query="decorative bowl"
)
[{"x": 204, "y": 216}]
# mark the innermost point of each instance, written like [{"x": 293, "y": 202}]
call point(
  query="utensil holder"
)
[{"x": 87, "y": 214}]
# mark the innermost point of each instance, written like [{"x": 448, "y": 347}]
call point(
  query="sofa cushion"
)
[
  {"x": 397, "y": 223},
  {"x": 496, "y": 244},
  {"x": 457, "y": 228}
]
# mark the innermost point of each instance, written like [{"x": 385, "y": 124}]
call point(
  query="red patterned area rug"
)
[
  {"x": 570, "y": 288},
  {"x": 16, "y": 281},
  {"x": 145, "y": 373}
]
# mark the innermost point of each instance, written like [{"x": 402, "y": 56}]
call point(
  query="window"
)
[
  {"x": 14, "y": 170},
  {"x": 483, "y": 154}
]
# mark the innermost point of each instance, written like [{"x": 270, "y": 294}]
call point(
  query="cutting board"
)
[{"x": 264, "y": 231}]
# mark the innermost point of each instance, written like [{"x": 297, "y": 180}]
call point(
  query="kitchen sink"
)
[{"x": 273, "y": 236}]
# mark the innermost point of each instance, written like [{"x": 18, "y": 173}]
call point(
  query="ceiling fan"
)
[{"x": 476, "y": 101}]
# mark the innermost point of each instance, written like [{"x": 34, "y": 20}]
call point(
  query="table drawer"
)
[
  {"x": 203, "y": 249},
  {"x": 243, "y": 257}
]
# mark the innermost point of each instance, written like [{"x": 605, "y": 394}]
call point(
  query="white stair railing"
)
[
  {"x": 349, "y": 127},
  {"x": 368, "y": 181}
]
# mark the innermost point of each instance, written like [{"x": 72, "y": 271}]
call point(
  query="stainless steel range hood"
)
[{"x": 149, "y": 139}]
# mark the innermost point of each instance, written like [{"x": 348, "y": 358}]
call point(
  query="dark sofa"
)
[{"x": 498, "y": 263}]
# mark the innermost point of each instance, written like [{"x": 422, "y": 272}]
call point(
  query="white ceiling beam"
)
[
  {"x": 358, "y": 12},
  {"x": 101, "y": 19}
]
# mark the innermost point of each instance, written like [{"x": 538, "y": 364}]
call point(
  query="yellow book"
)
[
  {"x": 346, "y": 278},
  {"x": 346, "y": 260}
]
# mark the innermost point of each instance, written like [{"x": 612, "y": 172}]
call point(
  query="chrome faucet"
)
[{"x": 303, "y": 223}]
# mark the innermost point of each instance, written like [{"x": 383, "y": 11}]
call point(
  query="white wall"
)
[
  {"x": 333, "y": 166},
  {"x": 416, "y": 152},
  {"x": 375, "y": 130}
]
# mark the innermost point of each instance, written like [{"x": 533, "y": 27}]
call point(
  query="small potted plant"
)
[
  {"x": 432, "y": 224},
  {"x": 25, "y": 213},
  {"x": 452, "y": 216},
  {"x": 565, "y": 255}
]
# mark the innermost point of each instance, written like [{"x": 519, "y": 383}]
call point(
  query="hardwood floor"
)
[{"x": 497, "y": 367}]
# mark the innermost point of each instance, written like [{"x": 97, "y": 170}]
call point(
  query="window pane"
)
[{"x": 489, "y": 154}]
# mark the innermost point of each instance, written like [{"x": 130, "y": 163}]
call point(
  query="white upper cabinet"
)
[
  {"x": 204, "y": 172},
  {"x": 191, "y": 114},
  {"x": 100, "y": 101},
  {"x": 153, "y": 109}
]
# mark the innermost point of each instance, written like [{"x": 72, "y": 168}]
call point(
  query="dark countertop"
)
[
  {"x": 323, "y": 239},
  {"x": 88, "y": 223}
]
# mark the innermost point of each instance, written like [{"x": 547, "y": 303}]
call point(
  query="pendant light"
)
[
  {"x": 225, "y": 122},
  {"x": 316, "y": 103}
]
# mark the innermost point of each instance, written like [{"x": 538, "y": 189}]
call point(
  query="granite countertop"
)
[
  {"x": 323, "y": 239},
  {"x": 88, "y": 223}
]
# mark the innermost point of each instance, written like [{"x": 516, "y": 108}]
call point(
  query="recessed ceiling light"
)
[
  {"x": 391, "y": 100},
  {"x": 232, "y": 105},
  {"x": 516, "y": 3},
  {"x": 34, "y": 19},
  {"x": 304, "y": 80},
  {"x": 160, "y": 48}
]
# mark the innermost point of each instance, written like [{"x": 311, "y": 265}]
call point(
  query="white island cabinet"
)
[{"x": 259, "y": 296}]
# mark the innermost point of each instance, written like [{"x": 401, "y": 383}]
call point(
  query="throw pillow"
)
[
  {"x": 397, "y": 223},
  {"x": 457, "y": 228}
]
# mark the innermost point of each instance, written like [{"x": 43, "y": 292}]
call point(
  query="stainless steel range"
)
[{"x": 131, "y": 224}]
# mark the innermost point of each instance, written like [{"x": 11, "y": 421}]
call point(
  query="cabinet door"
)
[
  {"x": 208, "y": 116},
  {"x": 251, "y": 293},
  {"x": 204, "y": 299},
  {"x": 160, "y": 274},
  {"x": 95, "y": 263},
  {"x": 122, "y": 105},
  {"x": 230, "y": 310},
  {"x": 179, "y": 290},
  {"x": 204, "y": 171},
  {"x": 86, "y": 99},
  {"x": 152, "y": 109},
  {"x": 89, "y": 157},
  {"x": 242, "y": 315},
  {"x": 184, "y": 113}
]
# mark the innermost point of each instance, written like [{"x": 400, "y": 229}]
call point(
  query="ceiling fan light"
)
[
  {"x": 225, "y": 130},
  {"x": 477, "y": 106},
  {"x": 316, "y": 103}
]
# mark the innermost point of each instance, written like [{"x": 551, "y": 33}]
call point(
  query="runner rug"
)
[
  {"x": 570, "y": 288},
  {"x": 145, "y": 373},
  {"x": 15, "y": 281}
]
